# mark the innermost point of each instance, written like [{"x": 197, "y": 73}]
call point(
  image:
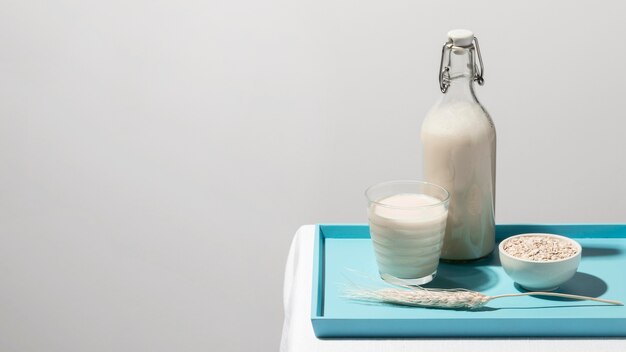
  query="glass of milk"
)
[{"x": 407, "y": 224}]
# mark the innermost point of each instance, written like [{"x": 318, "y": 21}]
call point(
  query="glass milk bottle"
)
[{"x": 459, "y": 146}]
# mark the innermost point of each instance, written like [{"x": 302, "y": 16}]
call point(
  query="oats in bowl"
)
[
  {"x": 540, "y": 248},
  {"x": 540, "y": 261}
]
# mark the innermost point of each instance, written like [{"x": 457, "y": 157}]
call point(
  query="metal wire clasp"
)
[
  {"x": 478, "y": 75},
  {"x": 444, "y": 71}
]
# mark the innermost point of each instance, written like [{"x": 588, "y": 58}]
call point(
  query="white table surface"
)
[{"x": 298, "y": 333}]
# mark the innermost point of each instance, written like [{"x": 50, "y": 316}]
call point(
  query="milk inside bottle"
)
[{"x": 459, "y": 150}]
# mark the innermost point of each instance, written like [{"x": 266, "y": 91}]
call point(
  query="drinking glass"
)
[{"x": 407, "y": 224}]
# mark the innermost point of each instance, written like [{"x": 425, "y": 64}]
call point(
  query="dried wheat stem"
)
[{"x": 562, "y": 295}]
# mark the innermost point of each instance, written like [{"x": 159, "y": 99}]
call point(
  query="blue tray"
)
[{"x": 343, "y": 254}]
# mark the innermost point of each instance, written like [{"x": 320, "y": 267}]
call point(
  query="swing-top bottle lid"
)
[
  {"x": 461, "y": 37},
  {"x": 460, "y": 41}
]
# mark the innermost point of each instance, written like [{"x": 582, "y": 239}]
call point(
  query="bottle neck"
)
[{"x": 461, "y": 63}]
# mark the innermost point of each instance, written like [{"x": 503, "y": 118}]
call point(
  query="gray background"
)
[{"x": 157, "y": 156}]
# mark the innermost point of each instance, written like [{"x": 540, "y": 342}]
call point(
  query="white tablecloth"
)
[{"x": 298, "y": 333}]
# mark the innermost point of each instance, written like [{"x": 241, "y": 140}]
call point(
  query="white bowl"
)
[{"x": 540, "y": 275}]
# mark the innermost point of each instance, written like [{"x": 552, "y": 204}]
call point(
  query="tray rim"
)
[{"x": 324, "y": 230}]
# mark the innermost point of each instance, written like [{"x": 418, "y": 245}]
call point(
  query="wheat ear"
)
[{"x": 444, "y": 298}]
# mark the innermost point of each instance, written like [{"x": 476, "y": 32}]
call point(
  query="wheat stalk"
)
[{"x": 445, "y": 298}]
